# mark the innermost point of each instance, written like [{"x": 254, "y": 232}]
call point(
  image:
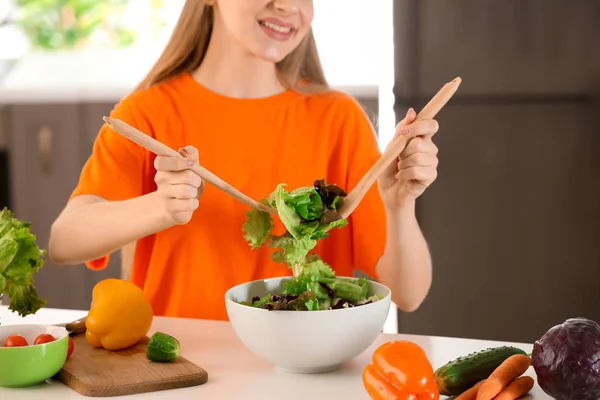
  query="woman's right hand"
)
[{"x": 179, "y": 188}]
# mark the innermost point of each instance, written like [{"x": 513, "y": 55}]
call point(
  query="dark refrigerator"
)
[{"x": 513, "y": 220}]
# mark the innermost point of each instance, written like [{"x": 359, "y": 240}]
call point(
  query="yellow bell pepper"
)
[{"x": 119, "y": 315}]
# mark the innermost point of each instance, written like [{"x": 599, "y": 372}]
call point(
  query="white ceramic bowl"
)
[{"x": 305, "y": 341}]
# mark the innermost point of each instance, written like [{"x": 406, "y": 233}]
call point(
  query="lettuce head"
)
[{"x": 20, "y": 259}]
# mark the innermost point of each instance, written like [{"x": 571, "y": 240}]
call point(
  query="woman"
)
[{"x": 239, "y": 88}]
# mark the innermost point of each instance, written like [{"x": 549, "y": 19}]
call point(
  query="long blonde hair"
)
[{"x": 188, "y": 43}]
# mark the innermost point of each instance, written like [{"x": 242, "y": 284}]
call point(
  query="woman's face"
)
[{"x": 270, "y": 29}]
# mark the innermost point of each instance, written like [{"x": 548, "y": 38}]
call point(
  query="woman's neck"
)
[{"x": 231, "y": 71}]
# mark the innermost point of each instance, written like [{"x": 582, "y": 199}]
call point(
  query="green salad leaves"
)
[
  {"x": 316, "y": 288},
  {"x": 20, "y": 259},
  {"x": 308, "y": 214}
]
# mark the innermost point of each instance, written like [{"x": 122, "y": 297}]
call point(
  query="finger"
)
[
  {"x": 192, "y": 153},
  {"x": 200, "y": 189},
  {"x": 182, "y": 205},
  {"x": 189, "y": 152},
  {"x": 425, "y": 127},
  {"x": 162, "y": 163},
  {"x": 419, "y": 145},
  {"x": 418, "y": 160},
  {"x": 390, "y": 170},
  {"x": 180, "y": 191},
  {"x": 408, "y": 119},
  {"x": 186, "y": 177},
  {"x": 422, "y": 175}
]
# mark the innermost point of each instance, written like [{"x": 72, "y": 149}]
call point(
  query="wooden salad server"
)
[
  {"x": 390, "y": 155},
  {"x": 161, "y": 149}
]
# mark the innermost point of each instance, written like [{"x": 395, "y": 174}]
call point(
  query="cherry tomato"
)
[
  {"x": 44, "y": 338},
  {"x": 15, "y": 341},
  {"x": 71, "y": 347}
]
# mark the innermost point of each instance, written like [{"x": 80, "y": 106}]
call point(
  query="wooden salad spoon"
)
[
  {"x": 390, "y": 155},
  {"x": 161, "y": 149}
]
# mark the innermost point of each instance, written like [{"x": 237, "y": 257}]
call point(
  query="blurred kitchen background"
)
[{"x": 513, "y": 220}]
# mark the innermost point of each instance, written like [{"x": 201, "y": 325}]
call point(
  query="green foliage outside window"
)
[{"x": 71, "y": 24}]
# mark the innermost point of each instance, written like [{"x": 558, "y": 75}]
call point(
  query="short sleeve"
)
[
  {"x": 368, "y": 221},
  {"x": 115, "y": 168}
]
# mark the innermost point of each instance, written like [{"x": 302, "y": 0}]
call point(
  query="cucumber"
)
[
  {"x": 162, "y": 348},
  {"x": 461, "y": 374}
]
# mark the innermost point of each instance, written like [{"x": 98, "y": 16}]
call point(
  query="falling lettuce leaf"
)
[
  {"x": 316, "y": 275},
  {"x": 301, "y": 212},
  {"x": 316, "y": 268},
  {"x": 292, "y": 251},
  {"x": 305, "y": 201},
  {"x": 307, "y": 217},
  {"x": 257, "y": 228},
  {"x": 308, "y": 214},
  {"x": 20, "y": 259},
  {"x": 331, "y": 195}
]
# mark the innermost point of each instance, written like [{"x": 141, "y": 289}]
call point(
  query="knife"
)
[{"x": 75, "y": 327}]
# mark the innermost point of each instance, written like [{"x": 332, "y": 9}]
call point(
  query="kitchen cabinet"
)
[
  {"x": 92, "y": 113},
  {"x": 527, "y": 48},
  {"x": 513, "y": 219},
  {"x": 48, "y": 144},
  {"x": 4, "y": 179},
  {"x": 47, "y": 150},
  {"x": 44, "y": 160}
]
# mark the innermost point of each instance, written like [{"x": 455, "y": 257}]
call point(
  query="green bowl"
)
[{"x": 33, "y": 364}]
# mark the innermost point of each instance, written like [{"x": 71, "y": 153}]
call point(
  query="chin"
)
[
  {"x": 272, "y": 55},
  {"x": 274, "y": 58}
]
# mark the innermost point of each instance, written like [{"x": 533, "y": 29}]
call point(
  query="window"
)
[{"x": 355, "y": 42}]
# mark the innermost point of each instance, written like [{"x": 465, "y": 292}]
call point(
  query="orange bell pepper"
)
[
  {"x": 400, "y": 371},
  {"x": 119, "y": 316}
]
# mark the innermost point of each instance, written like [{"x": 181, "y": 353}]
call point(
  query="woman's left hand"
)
[{"x": 416, "y": 167}]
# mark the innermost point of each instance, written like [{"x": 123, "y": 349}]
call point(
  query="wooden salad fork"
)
[
  {"x": 390, "y": 155},
  {"x": 161, "y": 149}
]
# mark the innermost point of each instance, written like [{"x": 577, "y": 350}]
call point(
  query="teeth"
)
[{"x": 277, "y": 28}]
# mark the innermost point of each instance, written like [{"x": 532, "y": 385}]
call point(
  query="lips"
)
[{"x": 277, "y": 29}]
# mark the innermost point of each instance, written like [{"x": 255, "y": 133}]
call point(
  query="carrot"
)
[
  {"x": 471, "y": 393},
  {"x": 517, "y": 388},
  {"x": 510, "y": 369}
]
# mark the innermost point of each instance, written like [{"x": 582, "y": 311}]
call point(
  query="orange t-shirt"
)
[{"x": 254, "y": 144}]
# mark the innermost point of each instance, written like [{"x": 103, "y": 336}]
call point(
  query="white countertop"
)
[
  {"x": 236, "y": 373},
  {"x": 108, "y": 75}
]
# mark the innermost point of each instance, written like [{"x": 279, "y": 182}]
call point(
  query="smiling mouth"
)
[{"x": 275, "y": 27}]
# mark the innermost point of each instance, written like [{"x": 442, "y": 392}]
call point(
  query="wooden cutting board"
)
[{"x": 101, "y": 373}]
